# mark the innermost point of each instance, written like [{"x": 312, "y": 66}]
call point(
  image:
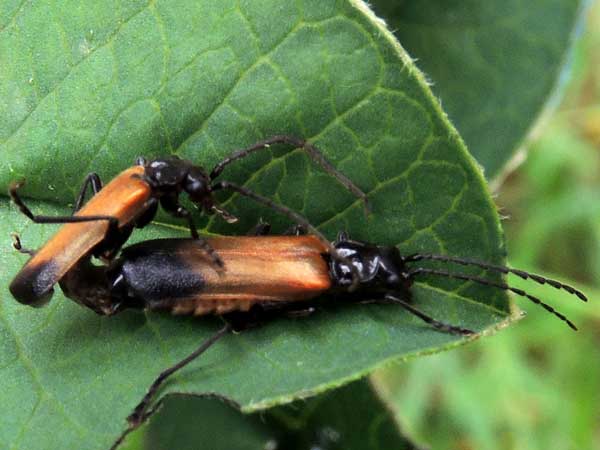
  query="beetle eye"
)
[
  {"x": 195, "y": 187},
  {"x": 343, "y": 269},
  {"x": 343, "y": 274},
  {"x": 197, "y": 183},
  {"x": 393, "y": 279}
]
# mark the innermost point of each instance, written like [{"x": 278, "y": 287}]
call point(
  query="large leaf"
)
[
  {"x": 90, "y": 87},
  {"x": 439, "y": 398},
  {"x": 349, "y": 418},
  {"x": 494, "y": 64}
]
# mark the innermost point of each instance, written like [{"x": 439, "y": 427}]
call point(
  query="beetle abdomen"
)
[{"x": 178, "y": 275}]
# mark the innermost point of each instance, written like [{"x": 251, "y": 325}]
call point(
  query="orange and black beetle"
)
[
  {"x": 131, "y": 200},
  {"x": 265, "y": 276}
]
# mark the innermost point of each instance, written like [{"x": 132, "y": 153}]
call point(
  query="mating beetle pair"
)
[
  {"x": 252, "y": 276},
  {"x": 130, "y": 200}
]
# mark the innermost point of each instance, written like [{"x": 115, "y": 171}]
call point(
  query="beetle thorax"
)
[
  {"x": 166, "y": 172},
  {"x": 376, "y": 266},
  {"x": 173, "y": 174}
]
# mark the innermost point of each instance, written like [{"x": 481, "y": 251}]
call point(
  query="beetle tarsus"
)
[
  {"x": 438, "y": 325},
  {"x": 19, "y": 247}
]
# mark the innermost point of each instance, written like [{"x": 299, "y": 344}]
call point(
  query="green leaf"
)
[
  {"x": 495, "y": 65},
  {"x": 446, "y": 401},
  {"x": 349, "y": 418},
  {"x": 93, "y": 86}
]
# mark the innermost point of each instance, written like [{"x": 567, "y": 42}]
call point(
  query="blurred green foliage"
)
[
  {"x": 326, "y": 422},
  {"x": 535, "y": 384}
]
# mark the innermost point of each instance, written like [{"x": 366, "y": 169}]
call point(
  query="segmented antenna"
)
[
  {"x": 460, "y": 276},
  {"x": 502, "y": 269}
]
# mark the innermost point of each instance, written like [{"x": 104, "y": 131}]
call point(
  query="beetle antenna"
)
[
  {"x": 313, "y": 152},
  {"x": 502, "y": 269},
  {"x": 460, "y": 276},
  {"x": 299, "y": 219}
]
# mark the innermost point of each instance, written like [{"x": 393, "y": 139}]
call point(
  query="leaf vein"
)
[{"x": 109, "y": 41}]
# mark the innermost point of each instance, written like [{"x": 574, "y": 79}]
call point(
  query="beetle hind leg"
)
[{"x": 143, "y": 410}]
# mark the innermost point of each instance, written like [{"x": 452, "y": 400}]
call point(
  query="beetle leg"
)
[
  {"x": 294, "y": 216},
  {"x": 255, "y": 317},
  {"x": 212, "y": 253},
  {"x": 171, "y": 204},
  {"x": 300, "y": 312},
  {"x": 114, "y": 238},
  {"x": 142, "y": 411},
  {"x": 265, "y": 312},
  {"x": 92, "y": 179},
  {"x": 260, "y": 229},
  {"x": 139, "y": 413},
  {"x": 17, "y": 245},
  {"x": 148, "y": 212},
  {"x": 313, "y": 152},
  {"x": 441, "y": 326},
  {"x": 227, "y": 217},
  {"x": 342, "y": 237},
  {"x": 263, "y": 229},
  {"x": 296, "y": 230},
  {"x": 12, "y": 190}
]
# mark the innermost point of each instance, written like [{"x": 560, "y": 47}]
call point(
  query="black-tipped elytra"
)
[
  {"x": 266, "y": 277},
  {"x": 131, "y": 199}
]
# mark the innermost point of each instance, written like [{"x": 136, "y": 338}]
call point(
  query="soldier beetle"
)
[
  {"x": 266, "y": 276},
  {"x": 131, "y": 199}
]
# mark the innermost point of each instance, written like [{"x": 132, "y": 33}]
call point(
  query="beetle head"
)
[{"x": 377, "y": 266}]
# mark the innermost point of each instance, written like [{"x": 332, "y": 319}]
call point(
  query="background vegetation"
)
[
  {"x": 87, "y": 85},
  {"x": 534, "y": 385}
]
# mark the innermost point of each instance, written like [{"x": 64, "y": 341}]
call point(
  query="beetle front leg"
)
[
  {"x": 148, "y": 213},
  {"x": 170, "y": 203},
  {"x": 172, "y": 206},
  {"x": 92, "y": 179},
  {"x": 434, "y": 323}
]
